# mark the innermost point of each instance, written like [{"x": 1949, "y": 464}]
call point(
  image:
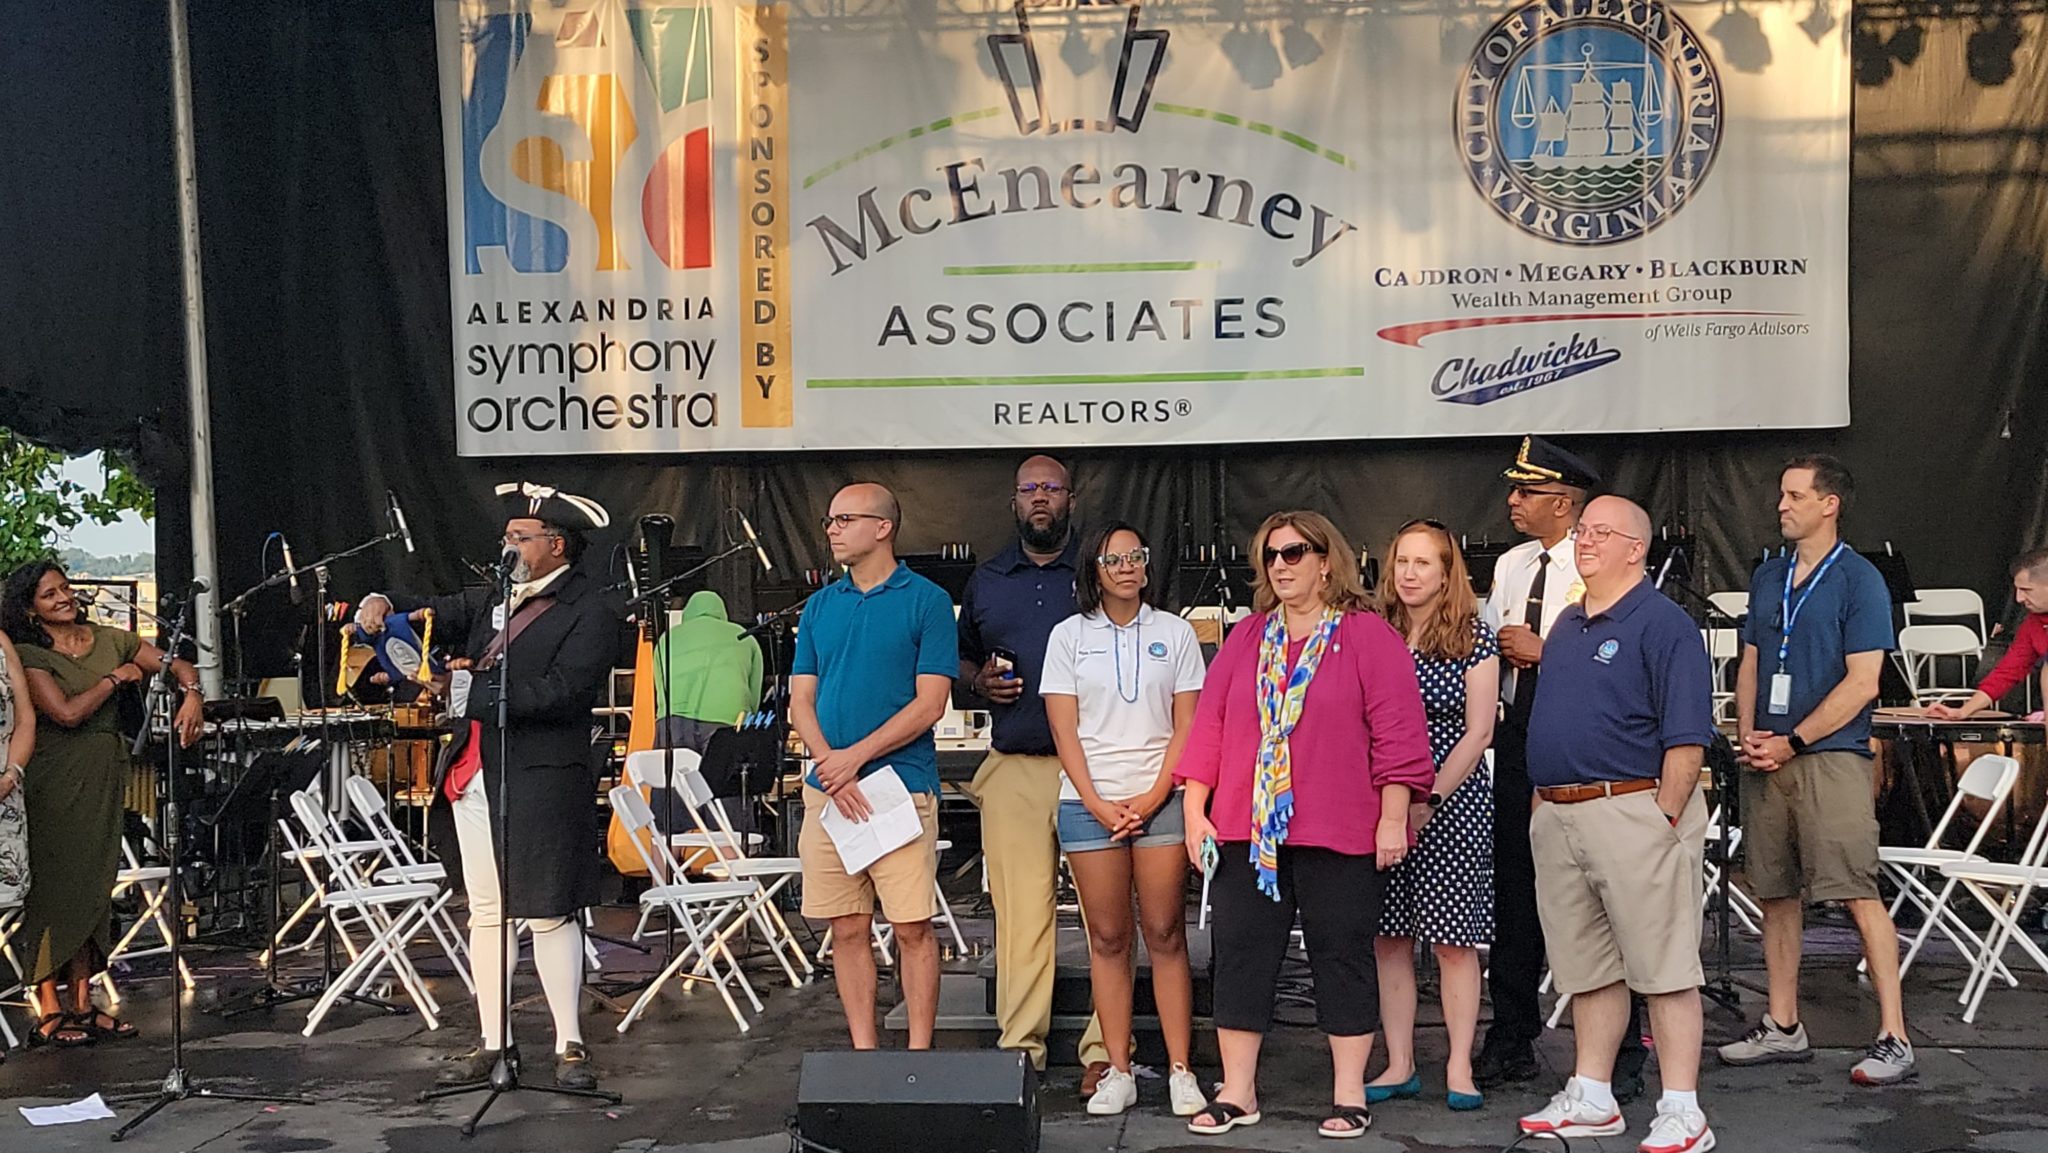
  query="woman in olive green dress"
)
[{"x": 74, "y": 784}]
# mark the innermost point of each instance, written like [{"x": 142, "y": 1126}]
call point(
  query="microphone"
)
[
  {"x": 86, "y": 596},
  {"x": 398, "y": 519},
  {"x": 507, "y": 561},
  {"x": 291, "y": 567},
  {"x": 748, "y": 527}
]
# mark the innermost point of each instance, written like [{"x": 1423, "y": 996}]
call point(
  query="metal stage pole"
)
[{"x": 205, "y": 558}]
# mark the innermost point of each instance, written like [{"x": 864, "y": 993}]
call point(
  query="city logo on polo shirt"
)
[
  {"x": 1607, "y": 650},
  {"x": 1156, "y": 650}
]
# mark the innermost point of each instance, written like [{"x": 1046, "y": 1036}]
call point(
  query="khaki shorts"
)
[
  {"x": 1811, "y": 827},
  {"x": 904, "y": 880},
  {"x": 1618, "y": 889}
]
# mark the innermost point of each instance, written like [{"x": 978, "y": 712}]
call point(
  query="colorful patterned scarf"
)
[{"x": 1280, "y": 697}]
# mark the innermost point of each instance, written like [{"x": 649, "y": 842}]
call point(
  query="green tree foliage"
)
[{"x": 36, "y": 504}]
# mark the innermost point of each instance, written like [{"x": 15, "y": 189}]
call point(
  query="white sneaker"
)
[
  {"x": 1568, "y": 1115},
  {"x": 1677, "y": 1130},
  {"x": 1185, "y": 1092},
  {"x": 1116, "y": 1092}
]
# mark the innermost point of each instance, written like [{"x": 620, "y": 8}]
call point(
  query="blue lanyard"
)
[{"x": 1789, "y": 611}]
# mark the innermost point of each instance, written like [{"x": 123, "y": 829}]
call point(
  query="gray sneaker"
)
[
  {"x": 1768, "y": 1044},
  {"x": 1889, "y": 1061}
]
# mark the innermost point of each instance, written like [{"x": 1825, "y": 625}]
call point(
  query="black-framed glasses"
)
[
  {"x": 1048, "y": 487},
  {"x": 1292, "y": 553},
  {"x": 1136, "y": 558},
  {"x": 1598, "y": 533},
  {"x": 846, "y": 519}
]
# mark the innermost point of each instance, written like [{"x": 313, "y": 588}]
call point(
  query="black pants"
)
[
  {"x": 1515, "y": 965},
  {"x": 1338, "y": 897}
]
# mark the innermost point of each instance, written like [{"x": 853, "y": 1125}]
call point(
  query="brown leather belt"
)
[{"x": 1573, "y": 794}]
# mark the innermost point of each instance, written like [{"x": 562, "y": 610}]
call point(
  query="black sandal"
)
[
  {"x": 1226, "y": 1117},
  {"x": 61, "y": 1030},
  {"x": 1351, "y": 1121},
  {"x": 118, "y": 1031}
]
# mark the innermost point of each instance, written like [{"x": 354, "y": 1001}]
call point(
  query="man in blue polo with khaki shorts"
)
[
  {"x": 1820, "y": 623},
  {"x": 1616, "y": 742},
  {"x": 875, "y": 658}
]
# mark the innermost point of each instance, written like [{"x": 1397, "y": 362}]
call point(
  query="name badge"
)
[{"x": 1781, "y": 693}]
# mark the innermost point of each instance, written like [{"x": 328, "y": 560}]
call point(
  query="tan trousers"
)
[{"x": 1019, "y": 799}]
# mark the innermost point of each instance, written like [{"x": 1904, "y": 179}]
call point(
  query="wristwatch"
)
[
  {"x": 1435, "y": 800},
  {"x": 1797, "y": 742}
]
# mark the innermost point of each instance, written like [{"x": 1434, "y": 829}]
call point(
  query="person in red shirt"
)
[{"x": 2029, "y": 641}]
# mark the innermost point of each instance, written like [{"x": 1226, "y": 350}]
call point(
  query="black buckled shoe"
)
[
  {"x": 472, "y": 1068},
  {"x": 573, "y": 1069}
]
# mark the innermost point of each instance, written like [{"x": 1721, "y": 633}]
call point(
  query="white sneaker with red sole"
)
[
  {"x": 1569, "y": 1115},
  {"x": 1677, "y": 1129}
]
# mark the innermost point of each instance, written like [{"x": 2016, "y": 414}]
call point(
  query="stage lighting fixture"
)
[
  {"x": 1074, "y": 49},
  {"x": 1252, "y": 53},
  {"x": 1990, "y": 51},
  {"x": 1743, "y": 42},
  {"x": 1819, "y": 22},
  {"x": 1906, "y": 43},
  {"x": 1872, "y": 64},
  {"x": 1300, "y": 45}
]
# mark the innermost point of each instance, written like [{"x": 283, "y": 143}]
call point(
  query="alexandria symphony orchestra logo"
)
[{"x": 1589, "y": 122}]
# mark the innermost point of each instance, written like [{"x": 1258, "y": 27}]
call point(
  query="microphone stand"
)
[
  {"x": 504, "y": 1076},
  {"x": 177, "y": 1084}
]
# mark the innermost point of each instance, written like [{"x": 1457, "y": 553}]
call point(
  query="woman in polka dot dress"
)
[{"x": 1443, "y": 893}]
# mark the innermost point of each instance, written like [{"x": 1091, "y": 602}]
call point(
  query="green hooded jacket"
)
[{"x": 709, "y": 671}]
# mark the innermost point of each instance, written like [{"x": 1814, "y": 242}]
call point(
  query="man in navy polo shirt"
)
[
  {"x": 1616, "y": 742},
  {"x": 1007, "y": 613},
  {"x": 875, "y": 657},
  {"x": 1820, "y": 623}
]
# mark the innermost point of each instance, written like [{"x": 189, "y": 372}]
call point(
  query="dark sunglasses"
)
[{"x": 1292, "y": 553}]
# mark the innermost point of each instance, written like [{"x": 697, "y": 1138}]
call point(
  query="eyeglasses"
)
[
  {"x": 1136, "y": 558},
  {"x": 1598, "y": 533},
  {"x": 1526, "y": 492},
  {"x": 515, "y": 539},
  {"x": 1292, "y": 553},
  {"x": 1048, "y": 487},
  {"x": 846, "y": 519}
]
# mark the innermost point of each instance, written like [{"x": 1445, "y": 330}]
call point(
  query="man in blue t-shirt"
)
[
  {"x": 1819, "y": 625},
  {"x": 875, "y": 658}
]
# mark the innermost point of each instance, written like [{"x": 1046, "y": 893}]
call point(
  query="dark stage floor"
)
[{"x": 691, "y": 1082}]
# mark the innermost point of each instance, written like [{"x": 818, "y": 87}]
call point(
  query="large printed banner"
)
[{"x": 717, "y": 224}]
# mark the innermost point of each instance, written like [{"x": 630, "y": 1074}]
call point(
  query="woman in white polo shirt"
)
[{"x": 1119, "y": 685}]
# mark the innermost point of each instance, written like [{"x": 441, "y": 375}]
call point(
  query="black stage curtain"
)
[{"x": 326, "y": 277}]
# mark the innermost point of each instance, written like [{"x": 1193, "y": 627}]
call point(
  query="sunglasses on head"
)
[
  {"x": 1292, "y": 553},
  {"x": 1422, "y": 522}
]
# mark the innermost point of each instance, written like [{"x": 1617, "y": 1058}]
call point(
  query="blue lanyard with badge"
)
[{"x": 1788, "y": 617}]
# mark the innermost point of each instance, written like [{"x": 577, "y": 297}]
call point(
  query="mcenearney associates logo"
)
[{"x": 1589, "y": 122}]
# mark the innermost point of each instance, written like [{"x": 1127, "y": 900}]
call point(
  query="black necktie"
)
[{"x": 1532, "y": 614}]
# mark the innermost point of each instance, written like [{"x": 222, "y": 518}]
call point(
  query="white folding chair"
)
[
  {"x": 703, "y": 910},
  {"x": 150, "y": 885},
  {"x": 2003, "y": 891},
  {"x": 1947, "y": 604},
  {"x": 727, "y": 860},
  {"x": 393, "y": 912},
  {"x": 1921, "y": 649},
  {"x": 401, "y": 866},
  {"x": 1724, "y": 647},
  {"x": 1730, "y": 604},
  {"x": 17, "y": 986},
  {"x": 1989, "y": 780}
]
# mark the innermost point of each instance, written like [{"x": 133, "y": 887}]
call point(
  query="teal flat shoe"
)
[
  {"x": 1412, "y": 1087},
  {"x": 1464, "y": 1102}
]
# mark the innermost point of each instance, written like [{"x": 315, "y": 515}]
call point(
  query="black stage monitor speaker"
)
[{"x": 919, "y": 1102}]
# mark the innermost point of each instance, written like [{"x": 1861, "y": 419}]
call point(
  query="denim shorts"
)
[{"x": 1080, "y": 832}]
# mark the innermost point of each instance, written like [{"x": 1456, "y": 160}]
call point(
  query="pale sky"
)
[{"x": 130, "y": 534}]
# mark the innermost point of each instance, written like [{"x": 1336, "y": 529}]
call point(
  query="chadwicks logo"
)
[
  {"x": 616, "y": 106},
  {"x": 1470, "y": 380},
  {"x": 1589, "y": 122}
]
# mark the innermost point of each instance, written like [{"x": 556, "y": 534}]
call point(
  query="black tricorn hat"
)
[
  {"x": 524, "y": 499},
  {"x": 1540, "y": 461}
]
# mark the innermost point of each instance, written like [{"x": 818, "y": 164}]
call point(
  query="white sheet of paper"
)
[
  {"x": 893, "y": 824},
  {"x": 90, "y": 1109}
]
